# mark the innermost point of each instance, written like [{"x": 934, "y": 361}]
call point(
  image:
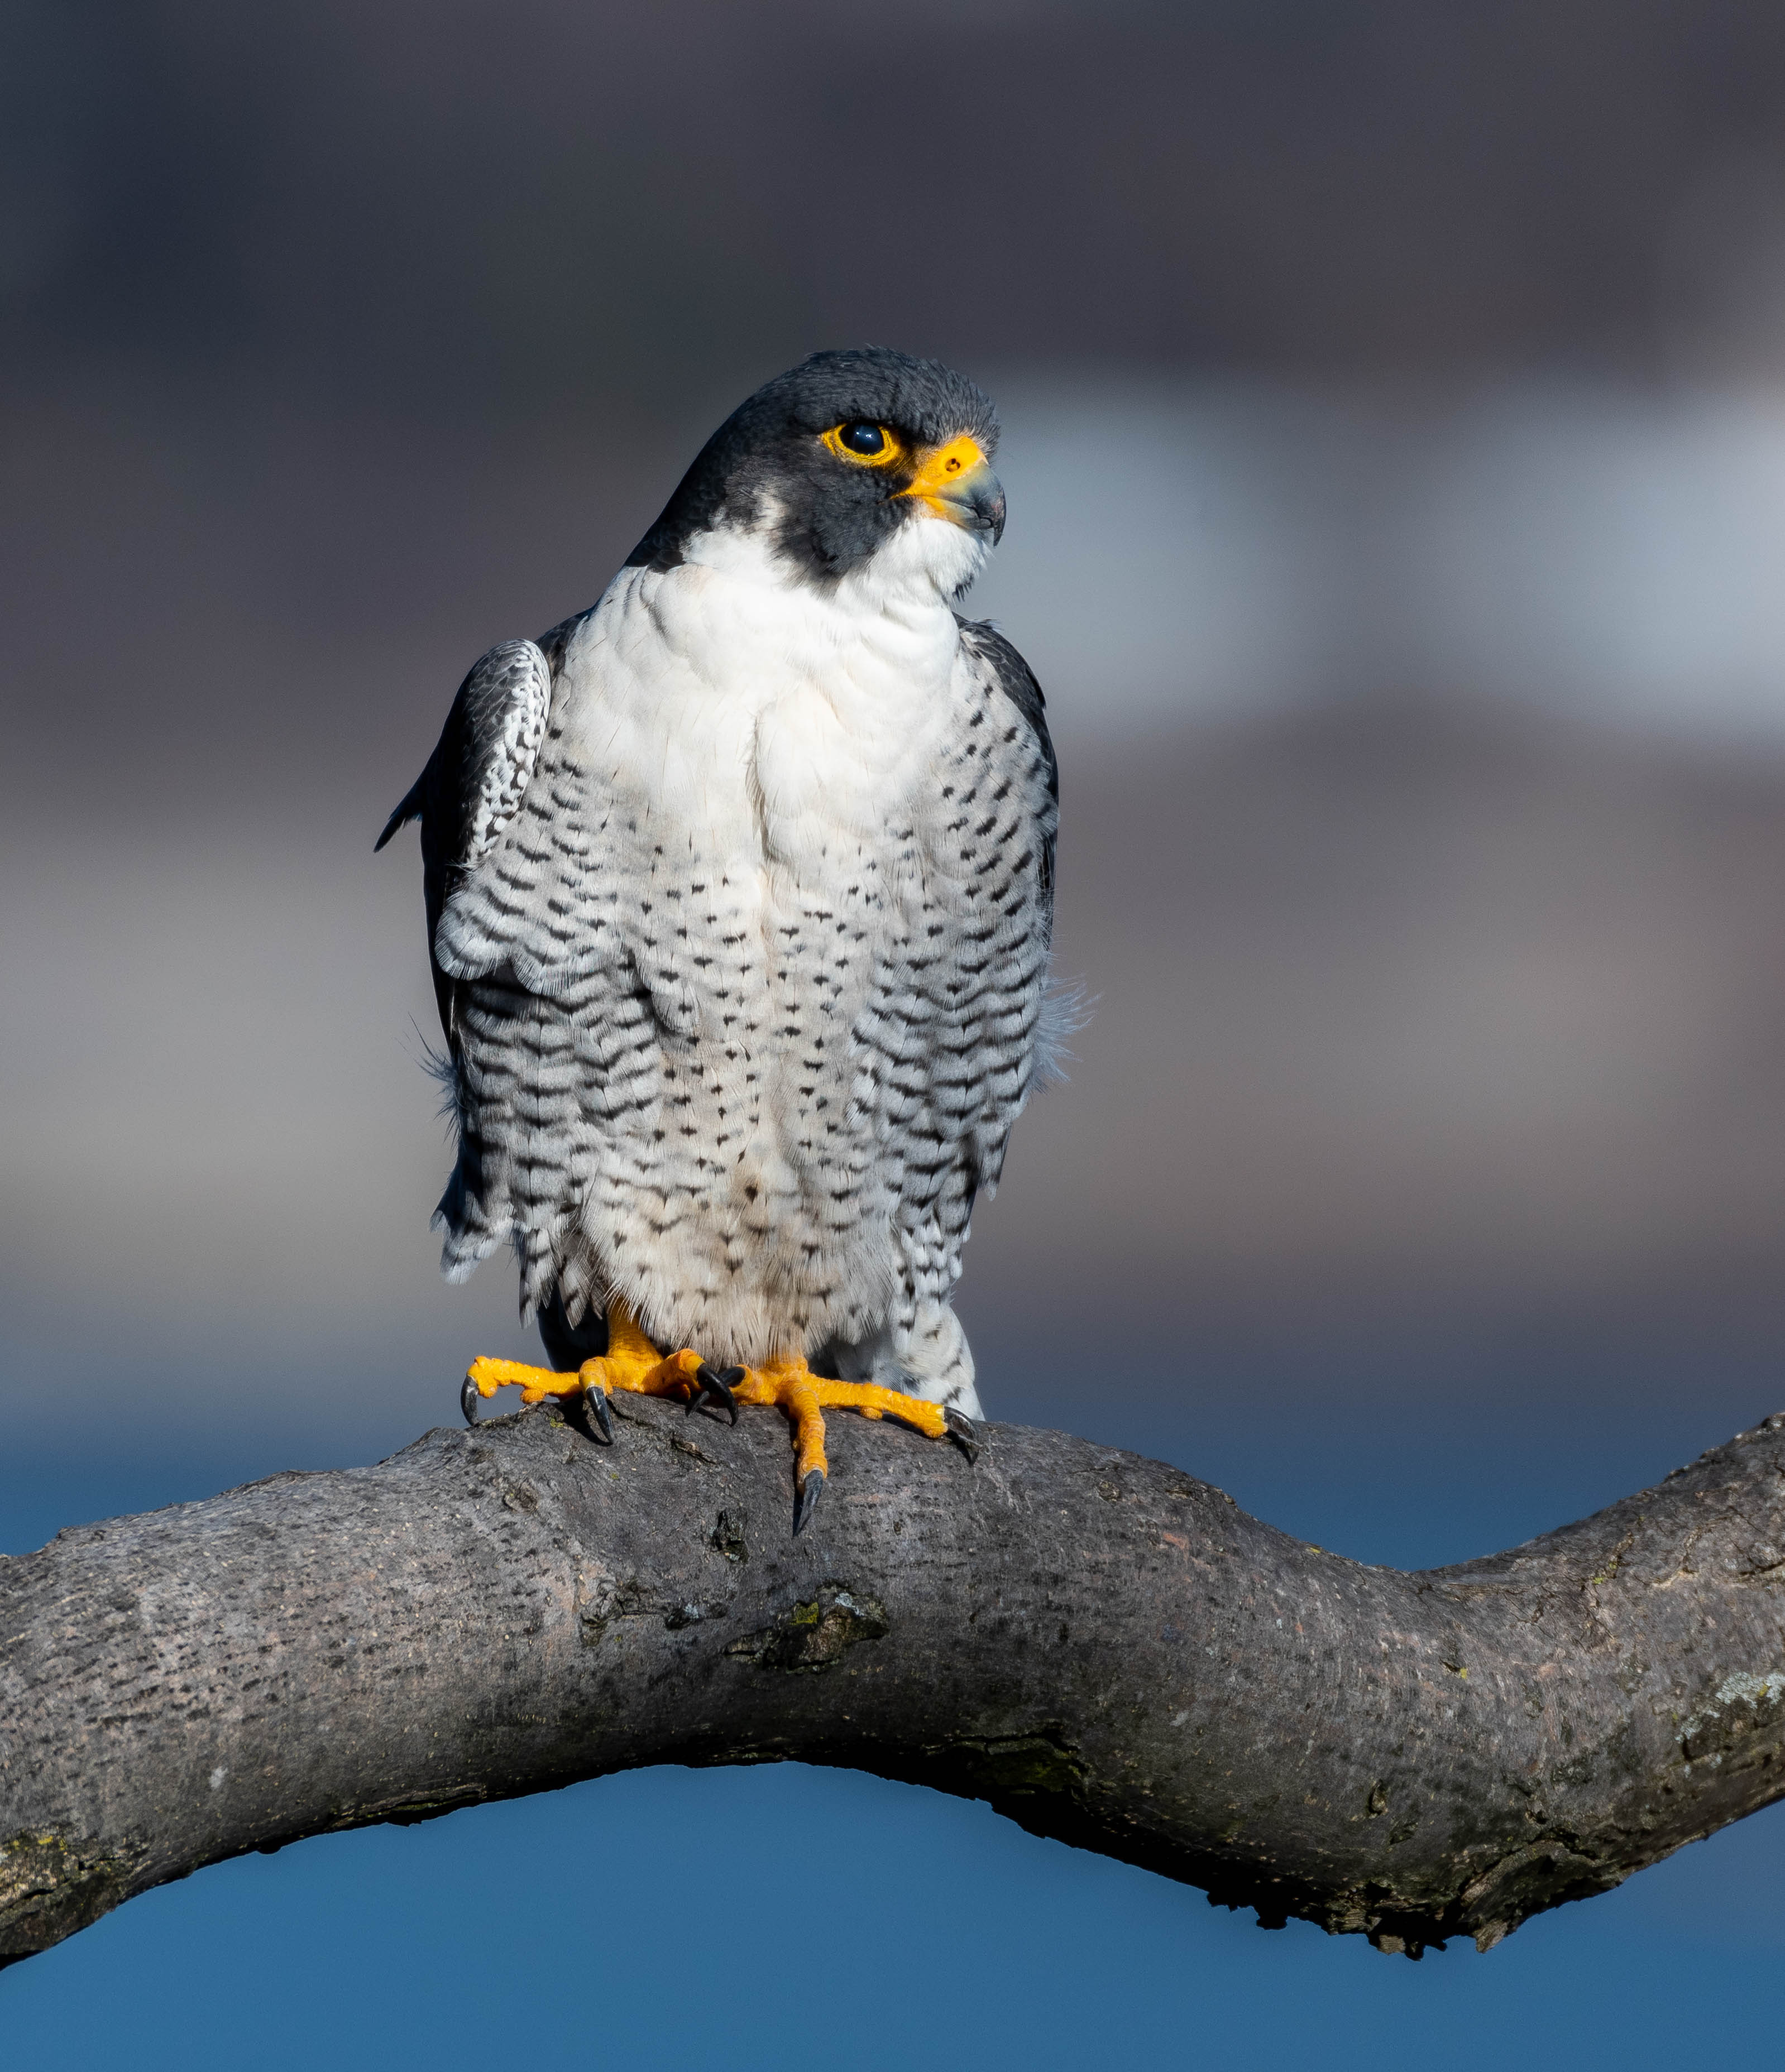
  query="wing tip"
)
[{"x": 408, "y": 809}]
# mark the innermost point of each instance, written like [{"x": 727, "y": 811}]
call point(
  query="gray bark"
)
[{"x": 1106, "y": 1650}]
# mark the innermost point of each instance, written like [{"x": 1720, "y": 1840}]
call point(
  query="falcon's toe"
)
[
  {"x": 631, "y": 1363},
  {"x": 792, "y": 1387}
]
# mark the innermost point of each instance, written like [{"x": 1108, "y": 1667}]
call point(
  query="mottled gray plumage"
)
[{"x": 739, "y": 890}]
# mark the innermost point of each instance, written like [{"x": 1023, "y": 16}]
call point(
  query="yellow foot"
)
[
  {"x": 792, "y": 1387},
  {"x": 630, "y": 1362}
]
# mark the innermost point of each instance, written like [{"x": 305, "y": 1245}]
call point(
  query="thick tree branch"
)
[{"x": 1108, "y": 1650}]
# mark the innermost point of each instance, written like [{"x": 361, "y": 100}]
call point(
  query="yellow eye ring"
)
[{"x": 850, "y": 442}]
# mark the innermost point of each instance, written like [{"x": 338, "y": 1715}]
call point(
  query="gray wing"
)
[
  {"x": 1005, "y": 672},
  {"x": 993, "y": 1050},
  {"x": 554, "y": 991},
  {"x": 512, "y": 1055},
  {"x": 952, "y": 1046}
]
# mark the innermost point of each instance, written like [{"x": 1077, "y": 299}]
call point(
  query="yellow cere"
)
[{"x": 945, "y": 467}]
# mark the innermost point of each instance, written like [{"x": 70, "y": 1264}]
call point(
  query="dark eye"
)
[{"x": 862, "y": 438}]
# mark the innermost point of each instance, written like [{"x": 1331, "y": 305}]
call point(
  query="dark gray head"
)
[{"x": 837, "y": 455}]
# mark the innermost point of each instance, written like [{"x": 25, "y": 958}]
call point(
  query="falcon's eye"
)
[{"x": 861, "y": 440}]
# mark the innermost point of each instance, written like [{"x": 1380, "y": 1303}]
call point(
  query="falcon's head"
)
[{"x": 850, "y": 460}]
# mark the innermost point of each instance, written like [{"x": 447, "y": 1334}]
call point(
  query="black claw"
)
[
  {"x": 716, "y": 1384},
  {"x": 806, "y": 1501},
  {"x": 963, "y": 1432},
  {"x": 596, "y": 1421},
  {"x": 467, "y": 1401}
]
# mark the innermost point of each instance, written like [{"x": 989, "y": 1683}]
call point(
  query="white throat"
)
[{"x": 925, "y": 563}]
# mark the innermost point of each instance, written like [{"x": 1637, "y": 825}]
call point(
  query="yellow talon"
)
[
  {"x": 630, "y": 1362},
  {"x": 792, "y": 1387},
  {"x": 633, "y": 1364}
]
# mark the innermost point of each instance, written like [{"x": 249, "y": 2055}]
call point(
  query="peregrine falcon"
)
[{"x": 739, "y": 889}]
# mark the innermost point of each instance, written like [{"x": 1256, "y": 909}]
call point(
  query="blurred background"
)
[{"x": 1395, "y": 437}]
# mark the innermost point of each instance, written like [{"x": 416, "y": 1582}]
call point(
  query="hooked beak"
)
[{"x": 955, "y": 482}]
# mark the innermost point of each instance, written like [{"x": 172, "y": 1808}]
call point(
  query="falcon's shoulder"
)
[
  {"x": 480, "y": 768},
  {"x": 472, "y": 783},
  {"x": 534, "y": 890}
]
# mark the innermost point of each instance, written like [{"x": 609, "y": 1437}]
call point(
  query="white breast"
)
[{"x": 761, "y": 711}]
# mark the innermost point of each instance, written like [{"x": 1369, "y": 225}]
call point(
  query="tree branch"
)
[{"x": 1108, "y": 1650}]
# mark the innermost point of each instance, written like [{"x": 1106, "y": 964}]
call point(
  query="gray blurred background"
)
[{"x": 1395, "y": 405}]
